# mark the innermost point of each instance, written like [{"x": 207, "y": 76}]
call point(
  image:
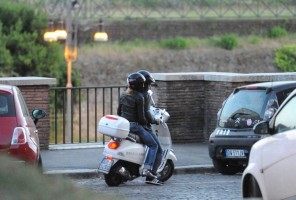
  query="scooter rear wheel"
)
[
  {"x": 167, "y": 171},
  {"x": 113, "y": 178}
]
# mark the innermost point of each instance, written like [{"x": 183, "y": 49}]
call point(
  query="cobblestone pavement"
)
[{"x": 190, "y": 186}]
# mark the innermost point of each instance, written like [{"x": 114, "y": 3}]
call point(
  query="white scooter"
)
[{"x": 124, "y": 155}]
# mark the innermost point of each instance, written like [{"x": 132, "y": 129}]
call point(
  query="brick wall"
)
[
  {"x": 193, "y": 99},
  {"x": 215, "y": 94},
  {"x": 37, "y": 97},
  {"x": 36, "y": 94},
  {"x": 184, "y": 102}
]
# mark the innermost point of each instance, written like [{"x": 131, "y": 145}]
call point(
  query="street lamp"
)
[
  {"x": 60, "y": 32},
  {"x": 101, "y": 36},
  {"x": 50, "y": 35},
  {"x": 70, "y": 52}
]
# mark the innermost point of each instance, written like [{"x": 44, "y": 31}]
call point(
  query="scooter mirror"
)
[{"x": 150, "y": 92}]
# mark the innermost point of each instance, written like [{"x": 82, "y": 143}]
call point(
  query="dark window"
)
[
  {"x": 282, "y": 95},
  {"x": 7, "y": 107},
  {"x": 285, "y": 119},
  {"x": 23, "y": 104},
  {"x": 243, "y": 109}
]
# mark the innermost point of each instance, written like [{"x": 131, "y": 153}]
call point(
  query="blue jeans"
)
[
  {"x": 158, "y": 154},
  {"x": 148, "y": 140}
]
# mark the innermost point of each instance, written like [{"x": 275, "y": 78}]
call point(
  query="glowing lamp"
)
[
  {"x": 61, "y": 34},
  {"x": 101, "y": 37},
  {"x": 50, "y": 37}
]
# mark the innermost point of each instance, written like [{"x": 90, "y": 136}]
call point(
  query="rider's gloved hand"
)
[{"x": 157, "y": 121}]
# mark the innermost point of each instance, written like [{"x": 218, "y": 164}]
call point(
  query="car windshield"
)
[
  {"x": 243, "y": 109},
  {"x": 7, "y": 108}
]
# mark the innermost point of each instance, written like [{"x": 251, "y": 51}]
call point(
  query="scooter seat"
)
[{"x": 134, "y": 138}]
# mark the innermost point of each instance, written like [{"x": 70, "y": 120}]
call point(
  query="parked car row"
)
[
  {"x": 256, "y": 135},
  {"x": 18, "y": 133},
  {"x": 271, "y": 170},
  {"x": 231, "y": 141}
]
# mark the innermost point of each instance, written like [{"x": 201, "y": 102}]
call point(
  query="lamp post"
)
[
  {"x": 70, "y": 54},
  {"x": 70, "y": 47}
]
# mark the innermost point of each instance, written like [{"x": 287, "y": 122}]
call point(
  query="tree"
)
[{"x": 22, "y": 49}]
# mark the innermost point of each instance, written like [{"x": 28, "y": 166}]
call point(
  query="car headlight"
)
[{"x": 269, "y": 113}]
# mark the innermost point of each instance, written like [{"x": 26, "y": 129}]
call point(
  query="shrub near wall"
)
[{"x": 285, "y": 58}]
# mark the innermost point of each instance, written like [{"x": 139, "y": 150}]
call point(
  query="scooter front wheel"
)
[{"x": 167, "y": 171}]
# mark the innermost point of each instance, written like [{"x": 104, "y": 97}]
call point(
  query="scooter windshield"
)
[{"x": 162, "y": 131}]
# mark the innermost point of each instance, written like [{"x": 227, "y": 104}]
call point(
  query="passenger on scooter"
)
[
  {"x": 150, "y": 118},
  {"x": 131, "y": 107}
]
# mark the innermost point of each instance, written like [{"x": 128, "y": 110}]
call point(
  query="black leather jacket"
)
[
  {"x": 148, "y": 103},
  {"x": 131, "y": 107}
]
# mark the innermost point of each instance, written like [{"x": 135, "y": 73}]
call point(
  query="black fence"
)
[
  {"x": 170, "y": 9},
  {"x": 75, "y": 112}
]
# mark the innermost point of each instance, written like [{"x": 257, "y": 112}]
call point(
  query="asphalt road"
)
[{"x": 212, "y": 186}]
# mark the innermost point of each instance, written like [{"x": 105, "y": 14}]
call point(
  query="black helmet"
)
[
  {"x": 148, "y": 76},
  {"x": 136, "y": 81}
]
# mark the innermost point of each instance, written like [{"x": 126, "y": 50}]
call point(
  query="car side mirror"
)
[
  {"x": 261, "y": 128},
  {"x": 38, "y": 114}
]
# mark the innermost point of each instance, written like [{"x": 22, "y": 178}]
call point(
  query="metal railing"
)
[
  {"x": 75, "y": 112},
  {"x": 172, "y": 9}
]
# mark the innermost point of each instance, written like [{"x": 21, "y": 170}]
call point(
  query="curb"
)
[
  {"x": 195, "y": 169},
  {"x": 93, "y": 173}
]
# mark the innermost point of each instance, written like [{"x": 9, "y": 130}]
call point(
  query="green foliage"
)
[
  {"x": 254, "y": 39},
  {"x": 277, "y": 32},
  {"x": 228, "y": 42},
  {"x": 285, "y": 58},
  {"x": 6, "y": 59},
  {"x": 176, "y": 43},
  {"x": 22, "y": 49},
  {"x": 26, "y": 182}
]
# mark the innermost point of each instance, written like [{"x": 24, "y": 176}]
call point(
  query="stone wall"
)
[
  {"x": 36, "y": 94},
  {"x": 161, "y": 29},
  {"x": 193, "y": 99}
]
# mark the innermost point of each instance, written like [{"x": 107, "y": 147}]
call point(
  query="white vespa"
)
[{"x": 124, "y": 155}]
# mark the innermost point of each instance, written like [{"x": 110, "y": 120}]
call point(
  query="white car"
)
[{"x": 271, "y": 171}]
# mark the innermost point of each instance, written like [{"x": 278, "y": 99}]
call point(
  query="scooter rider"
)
[
  {"x": 131, "y": 107},
  {"x": 150, "y": 118}
]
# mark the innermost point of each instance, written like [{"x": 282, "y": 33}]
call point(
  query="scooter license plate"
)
[{"x": 105, "y": 165}]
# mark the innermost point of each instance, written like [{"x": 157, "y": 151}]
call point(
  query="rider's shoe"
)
[
  {"x": 148, "y": 174},
  {"x": 153, "y": 181}
]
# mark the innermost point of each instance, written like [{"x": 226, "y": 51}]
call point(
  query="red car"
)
[{"x": 18, "y": 133}]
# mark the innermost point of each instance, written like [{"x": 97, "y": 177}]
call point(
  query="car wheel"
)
[
  {"x": 39, "y": 164},
  {"x": 40, "y": 161},
  {"x": 224, "y": 168},
  {"x": 251, "y": 188},
  {"x": 254, "y": 190}
]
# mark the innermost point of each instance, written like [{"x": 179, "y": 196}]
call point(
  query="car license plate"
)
[
  {"x": 105, "y": 165},
  {"x": 235, "y": 153}
]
